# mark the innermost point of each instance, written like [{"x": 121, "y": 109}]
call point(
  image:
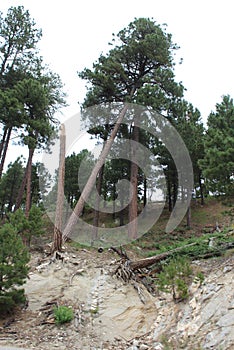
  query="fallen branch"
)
[{"x": 78, "y": 272}]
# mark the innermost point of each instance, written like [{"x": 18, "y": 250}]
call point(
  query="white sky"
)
[{"x": 76, "y": 32}]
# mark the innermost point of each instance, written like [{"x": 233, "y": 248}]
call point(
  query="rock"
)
[
  {"x": 227, "y": 320},
  {"x": 193, "y": 303},
  {"x": 135, "y": 342},
  {"x": 227, "y": 269},
  {"x": 158, "y": 346}
]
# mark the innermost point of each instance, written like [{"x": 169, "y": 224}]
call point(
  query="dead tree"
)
[
  {"x": 57, "y": 242},
  {"x": 128, "y": 269}
]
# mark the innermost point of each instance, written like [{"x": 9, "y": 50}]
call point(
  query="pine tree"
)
[
  {"x": 218, "y": 163},
  {"x": 13, "y": 268},
  {"x": 138, "y": 69}
]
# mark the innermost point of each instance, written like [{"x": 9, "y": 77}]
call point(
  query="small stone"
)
[
  {"x": 158, "y": 346},
  {"x": 193, "y": 303},
  {"x": 135, "y": 342},
  {"x": 227, "y": 269},
  {"x": 143, "y": 347}
]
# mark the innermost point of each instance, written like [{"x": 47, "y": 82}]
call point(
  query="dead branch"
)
[
  {"x": 78, "y": 272},
  {"x": 120, "y": 252},
  {"x": 140, "y": 292}
]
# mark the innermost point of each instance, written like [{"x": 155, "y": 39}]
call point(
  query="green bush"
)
[
  {"x": 28, "y": 227},
  {"x": 175, "y": 278},
  {"x": 63, "y": 314},
  {"x": 10, "y": 300},
  {"x": 13, "y": 268}
]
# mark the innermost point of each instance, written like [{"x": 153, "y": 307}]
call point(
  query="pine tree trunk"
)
[
  {"x": 3, "y": 141},
  {"x": 4, "y": 150},
  {"x": 133, "y": 205},
  {"x": 22, "y": 188},
  {"x": 99, "y": 190},
  {"x": 57, "y": 243},
  {"x": 113, "y": 200},
  {"x": 91, "y": 181},
  {"x": 188, "y": 217},
  {"x": 145, "y": 192},
  {"x": 97, "y": 203},
  {"x": 170, "y": 206},
  {"x": 174, "y": 192},
  {"x": 28, "y": 183},
  {"x": 201, "y": 190}
]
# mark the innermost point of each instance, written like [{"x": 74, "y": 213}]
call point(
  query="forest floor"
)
[{"x": 109, "y": 313}]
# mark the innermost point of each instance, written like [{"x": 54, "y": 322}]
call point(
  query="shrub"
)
[
  {"x": 13, "y": 268},
  {"x": 28, "y": 227},
  {"x": 175, "y": 278},
  {"x": 63, "y": 314}
]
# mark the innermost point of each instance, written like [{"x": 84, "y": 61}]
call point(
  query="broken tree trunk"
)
[{"x": 57, "y": 243}]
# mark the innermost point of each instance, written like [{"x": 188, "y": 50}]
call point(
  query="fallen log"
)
[{"x": 139, "y": 264}]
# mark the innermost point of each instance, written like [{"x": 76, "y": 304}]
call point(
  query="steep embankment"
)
[{"x": 110, "y": 315}]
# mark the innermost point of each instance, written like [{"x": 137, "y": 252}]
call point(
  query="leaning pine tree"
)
[{"x": 138, "y": 69}]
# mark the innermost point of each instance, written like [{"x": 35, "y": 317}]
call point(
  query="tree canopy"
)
[{"x": 218, "y": 162}]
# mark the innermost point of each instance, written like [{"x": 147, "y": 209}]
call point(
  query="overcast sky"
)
[{"x": 76, "y": 32}]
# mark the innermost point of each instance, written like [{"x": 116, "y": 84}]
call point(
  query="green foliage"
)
[
  {"x": 199, "y": 278},
  {"x": 175, "y": 278},
  {"x": 10, "y": 184},
  {"x": 73, "y": 162},
  {"x": 63, "y": 314},
  {"x": 28, "y": 227},
  {"x": 141, "y": 56},
  {"x": 18, "y": 38},
  {"x": 13, "y": 268},
  {"x": 218, "y": 163},
  {"x": 139, "y": 69},
  {"x": 30, "y": 93}
]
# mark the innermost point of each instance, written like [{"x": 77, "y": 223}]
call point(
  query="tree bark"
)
[
  {"x": 188, "y": 216},
  {"x": 133, "y": 205},
  {"x": 170, "y": 206},
  {"x": 3, "y": 141},
  {"x": 28, "y": 183},
  {"x": 145, "y": 191},
  {"x": 175, "y": 190},
  {"x": 91, "y": 181},
  {"x": 57, "y": 243},
  {"x": 97, "y": 203},
  {"x": 201, "y": 189},
  {"x": 22, "y": 188},
  {"x": 99, "y": 190},
  {"x": 4, "y": 150}
]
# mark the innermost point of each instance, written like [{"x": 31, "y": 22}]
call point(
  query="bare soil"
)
[{"x": 109, "y": 313}]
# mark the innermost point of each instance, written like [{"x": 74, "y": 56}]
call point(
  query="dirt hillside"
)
[{"x": 109, "y": 313}]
